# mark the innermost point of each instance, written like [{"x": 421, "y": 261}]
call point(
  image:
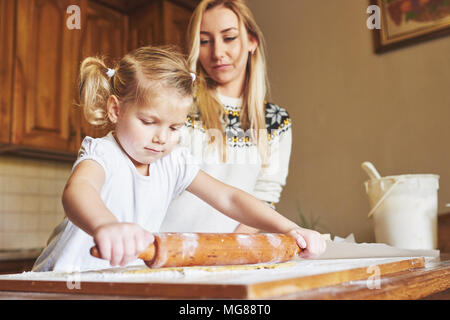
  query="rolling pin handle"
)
[{"x": 94, "y": 252}]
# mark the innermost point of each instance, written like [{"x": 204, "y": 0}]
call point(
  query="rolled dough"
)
[{"x": 212, "y": 268}]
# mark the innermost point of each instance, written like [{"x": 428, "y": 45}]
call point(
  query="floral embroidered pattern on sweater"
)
[{"x": 277, "y": 122}]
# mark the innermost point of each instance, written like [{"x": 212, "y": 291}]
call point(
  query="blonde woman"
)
[{"x": 236, "y": 136}]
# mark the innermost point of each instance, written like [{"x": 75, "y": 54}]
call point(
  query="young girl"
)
[{"x": 122, "y": 184}]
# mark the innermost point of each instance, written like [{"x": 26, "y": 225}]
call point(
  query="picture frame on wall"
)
[{"x": 406, "y": 22}]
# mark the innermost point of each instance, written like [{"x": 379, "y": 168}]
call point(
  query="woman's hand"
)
[
  {"x": 311, "y": 242},
  {"x": 121, "y": 243}
]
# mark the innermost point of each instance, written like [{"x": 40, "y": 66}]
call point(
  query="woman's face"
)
[{"x": 223, "y": 49}]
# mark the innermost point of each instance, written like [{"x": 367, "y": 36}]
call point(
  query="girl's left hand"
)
[{"x": 311, "y": 242}]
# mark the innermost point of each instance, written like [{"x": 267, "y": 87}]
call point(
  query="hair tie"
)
[
  {"x": 110, "y": 73},
  {"x": 194, "y": 76}
]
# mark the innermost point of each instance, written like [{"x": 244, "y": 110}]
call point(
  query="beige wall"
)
[{"x": 349, "y": 105}]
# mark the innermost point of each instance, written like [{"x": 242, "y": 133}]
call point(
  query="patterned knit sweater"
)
[{"x": 243, "y": 168}]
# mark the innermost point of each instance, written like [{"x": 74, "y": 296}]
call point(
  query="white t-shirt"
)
[
  {"x": 242, "y": 169},
  {"x": 130, "y": 196}
]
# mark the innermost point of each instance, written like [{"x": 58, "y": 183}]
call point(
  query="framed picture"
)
[{"x": 405, "y": 22}]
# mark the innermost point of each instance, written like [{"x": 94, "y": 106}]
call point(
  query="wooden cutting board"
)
[{"x": 242, "y": 282}]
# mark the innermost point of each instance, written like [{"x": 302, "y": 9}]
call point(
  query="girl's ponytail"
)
[{"x": 95, "y": 89}]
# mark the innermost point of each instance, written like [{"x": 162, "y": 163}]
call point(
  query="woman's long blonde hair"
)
[
  {"x": 136, "y": 79},
  {"x": 256, "y": 84}
]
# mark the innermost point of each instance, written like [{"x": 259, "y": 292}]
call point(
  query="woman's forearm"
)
[{"x": 84, "y": 206}]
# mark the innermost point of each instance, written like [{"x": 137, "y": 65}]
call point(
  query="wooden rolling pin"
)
[{"x": 212, "y": 249}]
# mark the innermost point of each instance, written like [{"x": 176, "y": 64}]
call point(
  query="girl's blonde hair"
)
[
  {"x": 136, "y": 78},
  {"x": 256, "y": 84}
]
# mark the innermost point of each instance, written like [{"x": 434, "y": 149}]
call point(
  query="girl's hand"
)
[
  {"x": 121, "y": 243},
  {"x": 311, "y": 242}
]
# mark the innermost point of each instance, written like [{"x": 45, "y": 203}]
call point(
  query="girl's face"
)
[
  {"x": 223, "y": 50},
  {"x": 149, "y": 132}
]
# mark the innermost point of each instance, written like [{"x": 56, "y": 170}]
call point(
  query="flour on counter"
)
[{"x": 242, "y": 274}]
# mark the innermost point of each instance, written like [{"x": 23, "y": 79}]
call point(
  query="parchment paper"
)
[{"x": 347, "y": 248}]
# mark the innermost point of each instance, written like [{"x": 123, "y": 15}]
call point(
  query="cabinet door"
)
[
  {"x": 105, "y": 36},
  {"x": 176, "y": 21},
  {"x": 6, "y": 67},
  {"x": 45, "y": 75},
  {"x": 145, "y": 27}
]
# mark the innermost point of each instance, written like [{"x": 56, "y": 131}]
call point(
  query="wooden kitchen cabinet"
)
[
  {"x": 444, "y": 232},
  {"x": 161, "y": 22},
  {"x": 38, "y": 65},
  {"x": 145, "y": 26},
  {"x": 41, "y": 56},
  {"x": 45, "y": 66},
  {"x": 7, "y": 9},
  {"x": 105, "y": 35},
  {"x": 176, "y": 21}
]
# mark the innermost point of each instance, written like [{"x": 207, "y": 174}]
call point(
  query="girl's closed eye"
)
[
  {"x": 176, "y": 128},
  {"x": 146, "y": 122}
]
